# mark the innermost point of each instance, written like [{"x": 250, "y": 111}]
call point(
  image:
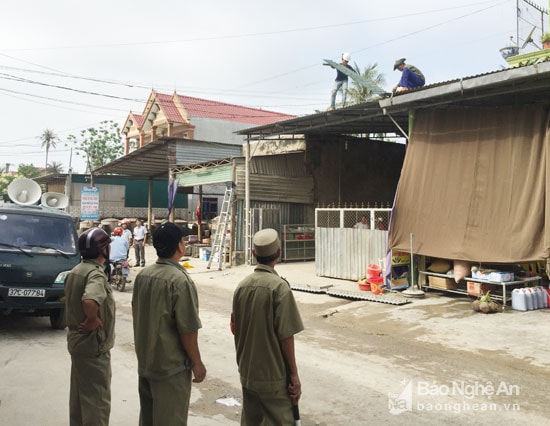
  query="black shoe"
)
[
  {"x": 136, "y": 265},
  {"x": 143, "y": 265}
]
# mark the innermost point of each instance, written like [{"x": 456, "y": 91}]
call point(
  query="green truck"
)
[{"x": 38, "y": 247}]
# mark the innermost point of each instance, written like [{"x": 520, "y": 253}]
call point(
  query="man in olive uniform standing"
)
[
  {"x": 90, "y": 316},
  {"x": 264, "y": 320},
  {"x": 165, "y": 311}
]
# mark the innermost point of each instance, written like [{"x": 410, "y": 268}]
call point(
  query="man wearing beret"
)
[
  {"x": 264, "y": 320},
  {"x": 411, "y": 77},
  {"x": 165, "y": 312}
]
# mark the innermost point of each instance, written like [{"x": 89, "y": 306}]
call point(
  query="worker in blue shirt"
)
[
  {"x": 411, "y": 77},
  {"x": 119, "y": 246}
]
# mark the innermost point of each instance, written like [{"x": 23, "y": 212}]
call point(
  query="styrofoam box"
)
[
  {"x": 501, "y": 277},
  {"x": 480, "y": 275}
]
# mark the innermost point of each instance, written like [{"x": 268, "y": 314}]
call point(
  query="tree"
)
[
  {"x": 360, "y": 94},
  {"x": 24, "y": 170},
  {"x": 49, "y": 139},
  {"x": 54, "y": 168},
  {"x": 27, "y": 170},
  {"x": 98, "y": 145}
]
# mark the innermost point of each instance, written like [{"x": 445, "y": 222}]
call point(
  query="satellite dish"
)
[
  {"x": 55, "y": 200},
  {"x": 24, "y": 191},
  {"x": 529, "y": 39}
]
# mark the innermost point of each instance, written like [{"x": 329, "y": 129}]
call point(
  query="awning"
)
[
  {"x": 155, "y": 159},
  {"x": 474, "y": 185}
]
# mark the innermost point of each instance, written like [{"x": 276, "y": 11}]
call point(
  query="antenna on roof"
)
[{"x": 529, "y": 39}]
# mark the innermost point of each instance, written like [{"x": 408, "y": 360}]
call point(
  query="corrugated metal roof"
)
[
  {"x": 157, "y": 157},
  {"x": 367, "y": 117}
]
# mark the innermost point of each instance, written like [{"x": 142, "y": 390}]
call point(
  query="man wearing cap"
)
[
  {"x": 264, "y": 320},
  {"x": 411, "y": 76},
  {"x": 165, "y": 312}
]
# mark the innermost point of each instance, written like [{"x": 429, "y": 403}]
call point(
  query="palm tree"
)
[
  {"x": 359, "y": 93},
  {"x": 54, "y": 168},
  {"x": 49, "y": 139}
]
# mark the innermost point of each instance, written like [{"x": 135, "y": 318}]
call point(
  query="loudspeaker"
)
[
  {"x": 24, "y": 191},
  {"x": 54, "y": 199}
]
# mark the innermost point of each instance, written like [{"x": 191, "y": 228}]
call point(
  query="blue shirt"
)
[
  {"x": 411, "y": 77},
  {"x": 119, "y": 249}
]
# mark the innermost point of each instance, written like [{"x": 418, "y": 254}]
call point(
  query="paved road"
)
[{"x": 431, "y": 361}]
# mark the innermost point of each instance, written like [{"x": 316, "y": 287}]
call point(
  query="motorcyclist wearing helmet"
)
[
  {"x": 119, "y": 246},
  {"x": 90, "y": 314}
]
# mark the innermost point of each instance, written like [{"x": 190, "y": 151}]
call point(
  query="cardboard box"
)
[
  {"x": 400, "y": 258},
  {"x": 398, "y": 282},
  {"x": 442, "y": 283},
  {"x": 477, "y": 289}
]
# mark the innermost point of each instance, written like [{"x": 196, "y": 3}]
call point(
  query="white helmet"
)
[{"x": 346, "y": 57}]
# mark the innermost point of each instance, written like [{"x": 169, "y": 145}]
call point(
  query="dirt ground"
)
[{"x": 430, "y": 361}]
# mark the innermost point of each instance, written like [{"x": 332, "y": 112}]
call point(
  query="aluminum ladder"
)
[{"x": 218, "y": 245}]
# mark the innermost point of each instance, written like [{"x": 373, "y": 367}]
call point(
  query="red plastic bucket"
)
[
  {"x": 373, "y": 271},
  {"x": 375, "y": 280},
  {"x": 364, "y": 286},
  {"x": 376, "y": 285}
]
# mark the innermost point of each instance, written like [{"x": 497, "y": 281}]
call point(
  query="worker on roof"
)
[
  {"x": 341, "y": 82},
  {"x": 411, "y": 77}
]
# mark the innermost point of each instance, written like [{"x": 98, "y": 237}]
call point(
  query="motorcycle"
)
[{"x": 120, "y": 271}]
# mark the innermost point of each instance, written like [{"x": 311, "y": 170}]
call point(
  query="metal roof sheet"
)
[{"x": 156, "y": 158}]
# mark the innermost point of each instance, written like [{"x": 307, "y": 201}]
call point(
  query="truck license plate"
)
[{"x": 26, "y": 292}]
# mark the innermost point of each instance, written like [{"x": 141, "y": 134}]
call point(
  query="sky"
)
[{"x": 67, "y": 65}]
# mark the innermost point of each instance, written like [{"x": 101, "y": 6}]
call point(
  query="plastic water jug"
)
[
  {"x": 528, "y": 298},
  {"x": 534, "y": 297},
  {"x": 537, "y": 291},
  {"x": 543, "y": 297},
  {"x": 518, "y": 300}
]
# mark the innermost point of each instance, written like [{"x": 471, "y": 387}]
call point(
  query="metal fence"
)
[
  {"x": 376, "y": 218},
  {"x": 343, "y": 250}
]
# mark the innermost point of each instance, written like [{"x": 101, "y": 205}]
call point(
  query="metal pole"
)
[
  {"x": 246, "y": 212},
  {"x": 412, "y": 262}
]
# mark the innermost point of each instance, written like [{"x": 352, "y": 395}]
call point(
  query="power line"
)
[
  {"x": 87, "y": 92},
  {"x": 60, "y": 100},
  {"x": 249, "y": 35}
]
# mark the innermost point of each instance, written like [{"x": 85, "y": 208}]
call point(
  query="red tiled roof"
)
[
  {"x": 138, "y": 118},
  {"x": 211, "y": 109},
  {"x": 166, "y": 102}
]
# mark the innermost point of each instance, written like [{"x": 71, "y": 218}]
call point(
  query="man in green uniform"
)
[
  {"x": 90, "y": 316},
  {"x": 165, "y": 311},
  {"x": 264, "y": 320}
]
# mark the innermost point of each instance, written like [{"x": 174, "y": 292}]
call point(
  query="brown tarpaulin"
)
[{"x": 474, "y": 185}]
